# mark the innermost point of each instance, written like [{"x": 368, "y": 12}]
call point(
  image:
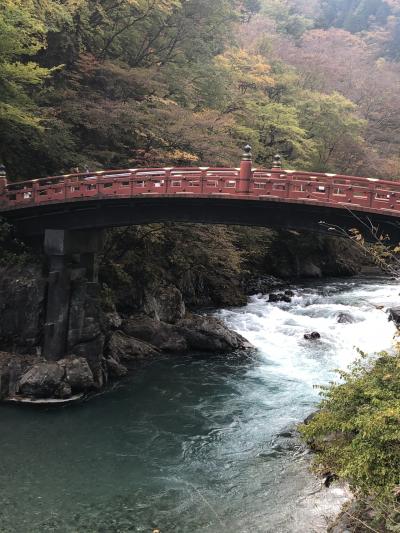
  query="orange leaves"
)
[{"x": 250, "y": 71}]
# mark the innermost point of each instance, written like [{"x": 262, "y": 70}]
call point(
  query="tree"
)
[{"x": 22, "y": 36}]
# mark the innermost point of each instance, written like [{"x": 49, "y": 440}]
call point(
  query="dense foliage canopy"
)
[{"x": 146, "y": 82}]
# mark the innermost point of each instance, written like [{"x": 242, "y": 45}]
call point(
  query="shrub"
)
[{"x": 356, "y": 433}]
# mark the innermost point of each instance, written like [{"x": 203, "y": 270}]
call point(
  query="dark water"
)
[{"x": 194, "y": 445}]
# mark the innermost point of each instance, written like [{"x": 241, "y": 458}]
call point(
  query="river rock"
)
[
  {"x": 279, "y": 297},
  {"x": 12, "y": 366},
  {"x": 196, "y": 333},
  {"x": 43, "y": 380},
  {"x": 311, "y": 417},
  {"x": 164, "y": 304},
  {"x": 115, "y": 369},
  {"x": 78, "y": 374},
  {"x": 261, "y": 284},
  {"x": 344, "y": 318},
  {"x": 123, "y": 347},
  {"x": 206, "y": 333},
  {"x": 394, "y": 315},
  {"x": 163, "y": 336},
  {"x": 312, "y": 336}
]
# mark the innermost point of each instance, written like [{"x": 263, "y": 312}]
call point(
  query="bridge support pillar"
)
[{"x": 70, "y": 254}]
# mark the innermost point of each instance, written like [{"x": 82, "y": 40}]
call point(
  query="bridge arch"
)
[{"x": 69, "y": 212}]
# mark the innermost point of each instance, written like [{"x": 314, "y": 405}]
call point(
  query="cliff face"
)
[
  {"x": 142, "y": 306},
  {"x": 293, "y": 256}
]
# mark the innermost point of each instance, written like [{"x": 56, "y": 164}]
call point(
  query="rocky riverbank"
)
[
  {"x": 103, "y": 346},
  {"x": 153, "y": 281}
]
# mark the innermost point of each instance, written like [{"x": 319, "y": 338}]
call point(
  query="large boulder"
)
[
  {"x": 12, "y": 366},
  {"x": 394, "y": 315},
  {"x": 115, "y": 369},
  {"x": 43, "y": 380},
  {"x": 78, "y": 374},
  {"x": 165, "y": 337},
  {"x": 206, "y": 333},
  {"x": 122, "y": 347},
  {"x": 344, "y": 318},
  {"x": 261, "y": 284},
  {"x": 194, "y": 333},
  {"x": 164, "y": 304},
  {"x": 280, "y": 297}
]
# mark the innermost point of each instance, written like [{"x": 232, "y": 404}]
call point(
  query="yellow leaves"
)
[
  {"x": 250, "y": 71},
  {"x": 181, "y": 155}
]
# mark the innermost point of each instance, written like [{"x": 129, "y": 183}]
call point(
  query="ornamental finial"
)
[
  {"x": 247, "y": 155},
  {"x": 277, "y": 161}
]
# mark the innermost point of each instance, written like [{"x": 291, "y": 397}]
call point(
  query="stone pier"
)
[{"x": 71, "y": 255}]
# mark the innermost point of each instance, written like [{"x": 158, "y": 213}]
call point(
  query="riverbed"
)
[{"x": 203, "y": 444}]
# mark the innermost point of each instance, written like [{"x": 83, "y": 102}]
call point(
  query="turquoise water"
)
[{"x": 194, "y": 444}]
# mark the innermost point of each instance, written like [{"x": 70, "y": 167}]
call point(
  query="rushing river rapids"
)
[{"x": 196, "y": 445}]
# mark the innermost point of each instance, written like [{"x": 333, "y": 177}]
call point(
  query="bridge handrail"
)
[
  {"x": 256, "y": 172},
  {"x": 259, "y": 183}
]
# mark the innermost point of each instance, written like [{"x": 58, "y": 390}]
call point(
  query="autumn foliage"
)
[{"x": 155, "y": 82}]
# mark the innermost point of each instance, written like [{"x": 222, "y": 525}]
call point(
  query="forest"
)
[
  {"x": 112, "y": 84},
  {"x": 100, "y": 84}
]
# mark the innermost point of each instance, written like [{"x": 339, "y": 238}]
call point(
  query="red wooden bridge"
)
[
  {"x": 70, "y": 212},
  {"x": 197, "y": 194}
]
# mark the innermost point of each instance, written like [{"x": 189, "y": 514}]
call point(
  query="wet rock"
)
[
  {"x": 43, "y": 380},
  {"x": 280, "y": 297},
  {"x": 165, "y": 304},
  {"x": 113, "y": 321},
  {"x": 329, "y": 478},
  {"x": 394, "y": 315},
  {"x": 78, "y": 374},
  {"x": 163, "y": 336},
  {"x": 310, "y": 418},
  {"x": 345, "y": 318},
  {"x": 290, "y": 434},
  {"x": 115, "y": 369},
  {"x": 64, "y": 390},
  {"x": 262, "y": 284},
  {"x": 289, "y": 293},
  {"x": 123, "y": 347},
  {"x": 12, "y": 366},
  {"x": 205, "y": 333},
  {"x": 194, "y": 333},
  {"x": 312, "y": 336}
]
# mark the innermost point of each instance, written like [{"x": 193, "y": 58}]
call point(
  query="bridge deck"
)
[{"x": 356, "y": 193}]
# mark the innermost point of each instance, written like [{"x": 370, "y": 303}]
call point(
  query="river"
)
[{"x": 199, "y": 444}]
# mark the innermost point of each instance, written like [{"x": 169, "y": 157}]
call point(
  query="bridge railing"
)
[{"x": 186, "y": 181}]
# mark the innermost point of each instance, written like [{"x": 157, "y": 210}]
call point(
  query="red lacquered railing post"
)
[
  {"x": 3, "y": 184},
  {"x": 203, "y": 180},
  {"x": 34, "y": 191},
  {"x": 371, "y": 195},
  {"x": 167, "y": 179},
  {"x": 245, "y": 172}
]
